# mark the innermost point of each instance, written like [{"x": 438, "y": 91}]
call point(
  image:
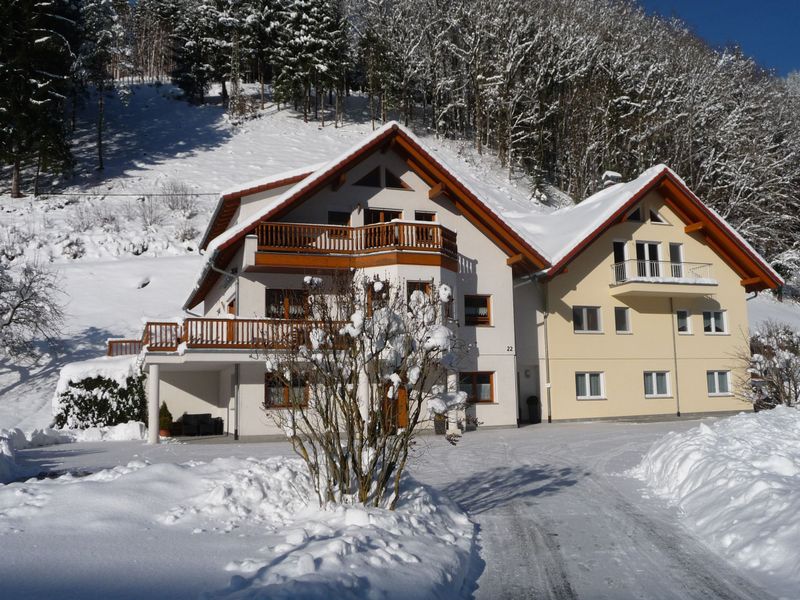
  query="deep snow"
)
[{"x": 737, "y": 483}]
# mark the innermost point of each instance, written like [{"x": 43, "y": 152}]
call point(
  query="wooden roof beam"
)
[
  {"x": 514, "y": 260},
  {"x": 695, "y": 227},
  {"x": 748, "y": 281},
  {"x": 339, "y": 181},
  {"x": 436, "y": 191}
]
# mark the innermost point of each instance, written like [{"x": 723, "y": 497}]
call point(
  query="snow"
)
[
  {"x": 116, "y": 368},
  {"x": 765, "y": 307},
  {"x": 256, "y": 520},
  {"x": 737, "y": 483}
]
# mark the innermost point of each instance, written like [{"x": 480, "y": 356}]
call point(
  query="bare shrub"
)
[
  {"x": 86, "y": 215},
  {"x": 773, "y": 361},
  {"x": 186, "y": 231},
  {"x": 350, "y": 386},
  {"x": 151, "y": 212},
  {"x": 179, "y": 197}
]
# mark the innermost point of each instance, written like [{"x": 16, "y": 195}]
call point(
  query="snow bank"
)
[
  {"x": 12, "y": 440},
  {"x": 738, "y": 483}
]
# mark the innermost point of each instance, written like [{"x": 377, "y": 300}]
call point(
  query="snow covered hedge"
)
[
  {"x": 100, "y": 393},
  {"x": 737, "y": 481}
]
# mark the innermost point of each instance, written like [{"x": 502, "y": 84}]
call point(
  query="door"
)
[
  {"x": 676, "y": 260},
  {"x": 232, "y": 324},
  {"x": 620, "y": 273},
  {"x": 647, "y": 259},
  {"x": 395, "y": 410},
  {"x": 377, "y": 237}
]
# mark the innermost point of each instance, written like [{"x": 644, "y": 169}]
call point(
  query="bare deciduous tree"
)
[
  {"x": 29, "y": 309},
  {"x": 351, "y": 384},
  {"x": 773, "y": 367}
]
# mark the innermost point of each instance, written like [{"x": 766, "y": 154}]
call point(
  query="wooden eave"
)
[
  {"x": 423, "y": 164},
  {"x": 230, "y": 202},
  {"x": 698, "y": 220}
]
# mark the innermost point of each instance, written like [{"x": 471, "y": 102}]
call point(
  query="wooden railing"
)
[
  {"x": 336, "y": 239},
  {"x": 268, "y": 334},
  {"x": 122, "y": 347}
]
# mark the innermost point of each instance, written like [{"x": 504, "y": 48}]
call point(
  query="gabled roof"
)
[
  {"x": 432, "y": 170},
  {"x": 230, "y": 199},
  {"x": 566, "y": 233}
]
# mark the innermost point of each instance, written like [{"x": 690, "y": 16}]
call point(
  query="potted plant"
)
[{"x": 164, "y": 420}]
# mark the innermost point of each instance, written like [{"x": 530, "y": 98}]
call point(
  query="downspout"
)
[
  {"x": 547, "y": 354},
  {"x": 236, "y": 366},
  {"x": 675, "y": 355}
]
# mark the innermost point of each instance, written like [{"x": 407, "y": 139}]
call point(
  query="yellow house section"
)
[{"x": 654, "y": 343}]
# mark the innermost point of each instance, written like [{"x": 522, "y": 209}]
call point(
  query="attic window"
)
[
  {"x": 394, "y": 182},
  {"x": 656, "y": 218},
  {"x": 371, "y": 179},
  {"x": 635, "y": 215}
]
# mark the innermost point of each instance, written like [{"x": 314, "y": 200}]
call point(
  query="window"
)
[
  {"x": 421, "y": 215},
  {"x": 425, "y": 233},
  {"x": 684, "y": 324},
  {"x": 656, "y": 218},
  {"x": 279, "y": 395},
  {"x": 622, "y": 319},
  {"x": 589, "y": 386},
  {"x": 718, "y": 383},
  {"x": 635, "y": 215},
  {"x": 286, "y": 304},
  {"x": 377, "y": 294},
  {"x": 477, "y": 385},
  {"x": 714, "y": 321},
  {"x": 656, "y": 383},
  {"x": 647, "y": 259},
  {"x": 676, "y": 260},
  {"x": 371, "y": 179},
  {"x": 340, "y": 219},
  {"x": 477, "y": 310},
  {"x": 381, "y": 215},
  {"x": 417, "y": 286},
  {"x": 586, "y": 319},
  {"x": 393, "y": 181}
]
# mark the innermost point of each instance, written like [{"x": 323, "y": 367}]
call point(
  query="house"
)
[{"x": 630, "y": 303}]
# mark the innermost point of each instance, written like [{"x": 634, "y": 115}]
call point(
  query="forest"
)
[{"x": 559, "y": 90}]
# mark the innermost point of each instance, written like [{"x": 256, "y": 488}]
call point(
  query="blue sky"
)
[{"x": 767, "y": 30}]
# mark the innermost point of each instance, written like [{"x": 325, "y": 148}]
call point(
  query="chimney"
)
[{"x": 611, "y": 178}]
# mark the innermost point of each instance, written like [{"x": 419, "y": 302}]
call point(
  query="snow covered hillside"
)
[
  {"x": 737, "y": 482},
  {"x": 124, "y": 250}
]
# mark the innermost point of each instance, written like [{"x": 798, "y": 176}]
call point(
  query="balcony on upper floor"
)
[
  {"x": 310, "y": 246},
  {"x": 662, "y": 279}
]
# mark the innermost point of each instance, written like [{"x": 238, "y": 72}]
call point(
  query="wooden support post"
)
[{"x": 436, "y": 191}]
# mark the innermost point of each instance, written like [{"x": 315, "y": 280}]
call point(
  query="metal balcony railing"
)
[{"x": 660, "y": 271}]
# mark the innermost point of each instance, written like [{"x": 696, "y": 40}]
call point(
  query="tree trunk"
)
[
  {"x": 38, "y": 171},
  {"x": 16, "y": 178},
  {"x": 224, "y": 94},
  {"x": 100, "y": 110},
  {"x": 261, "y": 81}
]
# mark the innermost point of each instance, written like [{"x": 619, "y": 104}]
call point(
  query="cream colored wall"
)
[
  {"x": 194, "y": 392},
  {"x": 624, "y": 358},
  {"x": 249, "y": 205}
]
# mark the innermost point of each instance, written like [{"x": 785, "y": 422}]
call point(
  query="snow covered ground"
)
[
  {"x": 554, "y": 515},
  {"x": 737, "y": 483}
]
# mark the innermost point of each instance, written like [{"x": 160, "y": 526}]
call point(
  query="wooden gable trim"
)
[{"x": 693, "y": 213}]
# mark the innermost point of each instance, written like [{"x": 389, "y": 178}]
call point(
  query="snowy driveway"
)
[{"x": 554, "y": 520}]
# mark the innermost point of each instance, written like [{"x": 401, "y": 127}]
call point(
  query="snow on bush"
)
[
  {"x": 100, "y": 392},
  {"x": 738, "y": 482}
]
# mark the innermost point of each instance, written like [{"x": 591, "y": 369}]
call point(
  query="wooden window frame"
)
[
  {"x": 477, "y": 321},
  {"x": 286, "y": 304},
  {"x": 472, "y": 398},
  {"x": 370, "y": 295},
  {"x": 270, "y": 377},
  {"x": 585, "y": 319},
  {"x": 423, "y": 285}
]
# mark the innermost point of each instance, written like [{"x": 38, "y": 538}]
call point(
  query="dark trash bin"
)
[{"x": 534, "y": 409}]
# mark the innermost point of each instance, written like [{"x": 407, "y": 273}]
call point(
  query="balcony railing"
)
[
  {"x": 414, "y": 236},
  {"x": 267, "y": 334},
  {"x": 659, "y": 271}
]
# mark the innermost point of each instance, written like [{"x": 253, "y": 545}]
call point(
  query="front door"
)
[{"x": 377, "y": 237}]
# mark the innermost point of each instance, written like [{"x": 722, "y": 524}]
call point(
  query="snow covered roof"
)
[
  {"x": 547, "y": 240},
  {"x": 490, "y": 207}
]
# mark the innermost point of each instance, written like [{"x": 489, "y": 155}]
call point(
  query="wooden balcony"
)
[
  {"x": 298, "y": 245},
  {"x": 234, "y": 334}
]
